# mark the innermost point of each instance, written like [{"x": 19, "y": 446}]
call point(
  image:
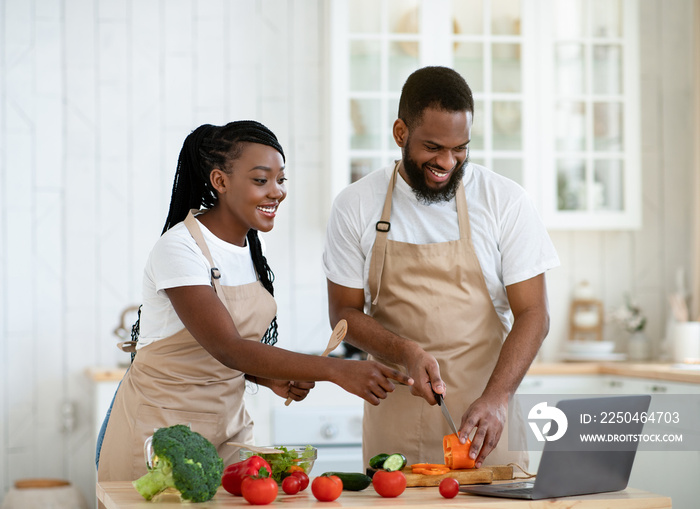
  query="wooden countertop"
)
[
  {"x": 651, "y": 370},
  {"x": 122, "y": 495}
]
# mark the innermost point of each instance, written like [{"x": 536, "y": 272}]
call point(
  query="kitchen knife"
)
[{"x": 445, "y": 412}]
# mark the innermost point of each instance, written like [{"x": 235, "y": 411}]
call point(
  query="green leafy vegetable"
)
[{"x": 281, "y": 463}]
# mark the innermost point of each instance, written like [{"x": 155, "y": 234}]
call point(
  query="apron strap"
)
[
  {"x": 465, "y": 231},
  {"x": 196, "y": 232},
  {"x": 383, "y": 226}
]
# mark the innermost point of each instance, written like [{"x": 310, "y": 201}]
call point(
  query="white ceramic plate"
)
[{"x": 590, "y": 347}]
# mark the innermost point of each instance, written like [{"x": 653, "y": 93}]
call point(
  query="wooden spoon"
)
[
  {"x": 341, "y": 328},
  {"x": 254, "y": 448}
]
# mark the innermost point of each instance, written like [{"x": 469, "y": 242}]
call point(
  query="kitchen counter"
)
[
  {"x": 122, "y": 495},
  {"x": 651, "y": 370}
]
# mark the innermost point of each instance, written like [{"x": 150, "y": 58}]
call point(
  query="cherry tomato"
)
[
  {"x": 303, "y": 479},
  {"x": 291, "y": 485},
  {"x": 449, "y": 487},
  {"x": 259, "y": 490},
  {"x": 326, "y": 488},
  {"x": 389, "y": 484}
]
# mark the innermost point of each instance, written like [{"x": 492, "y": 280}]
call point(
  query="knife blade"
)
[{"x": 445, "y": 412}]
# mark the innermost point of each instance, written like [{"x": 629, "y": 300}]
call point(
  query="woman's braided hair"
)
[{"x": 209, "y": 147}]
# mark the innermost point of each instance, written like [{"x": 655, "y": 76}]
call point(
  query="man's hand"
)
[
  {"x": 488, "y": 415},
  {"x": 425, "y": 371}
]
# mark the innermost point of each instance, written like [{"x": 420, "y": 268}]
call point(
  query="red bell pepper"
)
[{"x": 234, "y": 474}]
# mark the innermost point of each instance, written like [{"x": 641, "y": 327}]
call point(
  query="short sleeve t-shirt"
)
[
  {"x": 509, "y": 238},
  {"x": 176, "y": 261}
]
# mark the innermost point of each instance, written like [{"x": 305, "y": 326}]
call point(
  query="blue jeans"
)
[{"x": 103, "y": 428}]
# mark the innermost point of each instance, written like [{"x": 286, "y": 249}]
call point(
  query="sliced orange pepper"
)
[
  {"x": 456, "y": 454},
  {"x": 427, "y": 465},
  {"x": 295, "y": 468},
  {"x": 431, "y": 471}
]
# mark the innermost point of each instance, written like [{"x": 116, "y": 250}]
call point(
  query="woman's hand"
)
[
  {"x": 285, "y": 389},
  {"x": 369, "y": 380},
  {"x": 295, "y": 390}
]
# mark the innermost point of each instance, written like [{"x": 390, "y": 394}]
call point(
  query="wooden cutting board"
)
[{"x": 484, "y": 475}]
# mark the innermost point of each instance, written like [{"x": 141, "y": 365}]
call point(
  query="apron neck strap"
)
[
  {"x": 196, "y": 232},
  {"x": 465, "y": 231},
  {"x": 383, "y": 226}
]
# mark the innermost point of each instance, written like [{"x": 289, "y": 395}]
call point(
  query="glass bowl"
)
[{"x": 295, "y": 456}]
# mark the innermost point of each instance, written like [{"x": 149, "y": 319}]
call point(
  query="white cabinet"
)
[
  {"x": 561, "y": 384},
  {"x": 590, "y": 114},
  {"x": 555, "y": 87},
  {"x": 629, "y": 385}
]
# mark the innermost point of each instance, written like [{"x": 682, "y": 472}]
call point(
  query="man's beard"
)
[{"x": 425, "y": 194}]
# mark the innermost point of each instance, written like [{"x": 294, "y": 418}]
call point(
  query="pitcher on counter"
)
[
  {"x": 437, "y": 264},
  {"x": 208, "y": 319}
]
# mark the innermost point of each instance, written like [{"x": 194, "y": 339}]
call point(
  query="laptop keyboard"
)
[{"x": 517, "y": 491}]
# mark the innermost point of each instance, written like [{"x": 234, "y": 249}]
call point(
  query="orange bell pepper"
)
[{"x": 456, "y": 454}]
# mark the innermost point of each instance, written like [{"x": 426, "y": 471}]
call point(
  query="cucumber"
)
[
  {"x": 394, "y": 462},
  {"x": 353, "y": 481},
  {"x": 378, "y": 460}
]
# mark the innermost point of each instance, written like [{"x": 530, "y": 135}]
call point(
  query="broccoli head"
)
[{"x": 184, "y": 460}]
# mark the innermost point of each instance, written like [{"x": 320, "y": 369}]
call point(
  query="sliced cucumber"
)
[
  {"x": 394, "y": 462},
  {"x": 353, "y": 481},
  {"x": 378, "y": 460}
]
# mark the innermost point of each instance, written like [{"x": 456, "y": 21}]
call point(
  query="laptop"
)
[{"x": 568, "y": 466}]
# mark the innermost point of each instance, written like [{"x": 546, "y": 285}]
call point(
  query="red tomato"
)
[
  {"x": 449, "y": 487},
  {"x": 259, "y": 490},
  {"x": 326, "y": 488},
  {"x": 389, "y": 484},
  {"x": 291, "y": 485},
  {"x": 303, "y": 479}
]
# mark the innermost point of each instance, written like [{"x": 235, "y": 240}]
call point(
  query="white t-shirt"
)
[
  {"x": 175, "y": 261},
  {"x": 508, "y": 235}
]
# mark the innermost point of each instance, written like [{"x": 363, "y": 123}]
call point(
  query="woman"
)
[{"x": 208, "y": 301}]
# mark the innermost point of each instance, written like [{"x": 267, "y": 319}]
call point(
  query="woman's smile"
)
[{"x": 269, "y": 210}]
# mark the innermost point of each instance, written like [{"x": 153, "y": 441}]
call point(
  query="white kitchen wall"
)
[
  {"x": 96, "y": 97},
  {"x": 644, "y": 263}
]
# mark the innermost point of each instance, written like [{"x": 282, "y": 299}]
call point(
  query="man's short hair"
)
[{"x": 433, "y": 87}]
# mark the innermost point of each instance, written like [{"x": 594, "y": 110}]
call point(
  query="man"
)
[{"x": 429, "y": 261}]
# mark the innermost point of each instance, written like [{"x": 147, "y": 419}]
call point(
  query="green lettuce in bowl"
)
[{"x": 283, "y": 463}]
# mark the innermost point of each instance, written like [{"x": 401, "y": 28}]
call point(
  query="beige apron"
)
[
  {"x": 436, "y": 295},
  {"x": 176, "y": 381}
]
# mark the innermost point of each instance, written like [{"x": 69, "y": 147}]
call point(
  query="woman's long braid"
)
[
  {"x": 206, "y": 148},
  {"x": 266, "y": 278}
]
